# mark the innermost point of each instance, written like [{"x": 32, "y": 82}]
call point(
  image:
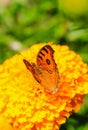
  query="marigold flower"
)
[{"x": 23, "y": 101}]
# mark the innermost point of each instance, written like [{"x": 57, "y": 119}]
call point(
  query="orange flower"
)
[{"x": 23, "y": 102}]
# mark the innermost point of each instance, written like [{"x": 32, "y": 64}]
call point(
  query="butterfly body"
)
[{"x": 45, "y": 72}]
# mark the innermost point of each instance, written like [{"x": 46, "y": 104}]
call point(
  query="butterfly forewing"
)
[
  {"x": 33, "y": 69},
  {"x": 45, "y": 58}
]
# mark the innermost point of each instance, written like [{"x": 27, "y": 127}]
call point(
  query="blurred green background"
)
[{"x": 26, "y": 22}]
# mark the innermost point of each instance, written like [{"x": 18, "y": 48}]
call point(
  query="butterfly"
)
[{"x": 45, "y": 71}]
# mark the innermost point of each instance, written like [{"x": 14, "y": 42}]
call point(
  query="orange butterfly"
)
[{"x": 45, "y": 72}]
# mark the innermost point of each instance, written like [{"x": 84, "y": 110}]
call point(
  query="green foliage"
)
[{"x": 29, "y": 22}]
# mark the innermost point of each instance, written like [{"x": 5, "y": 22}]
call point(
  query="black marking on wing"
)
[
  {"x": 45, "y": 49},
  {"x": 48, "y": 61},
  {"x": 40, "y": 57},
  {"x": 42, "y": 53},
  {"x": 49, "y": 47}
]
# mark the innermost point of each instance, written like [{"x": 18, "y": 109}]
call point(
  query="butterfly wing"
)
[
  {"x": 45, "y": 58},
  {"x": 50, "y": 76},
  {"x": 33, "y": 69}
]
